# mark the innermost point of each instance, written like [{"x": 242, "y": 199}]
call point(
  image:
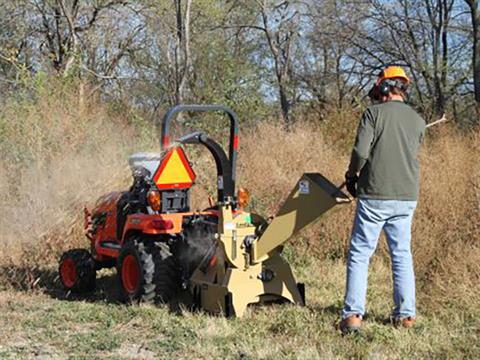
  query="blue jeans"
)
[{"x": 395, "y": 218}]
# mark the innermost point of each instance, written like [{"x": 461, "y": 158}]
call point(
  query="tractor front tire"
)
[
  {"x": 147, "y": 272},
  {"x": 77, "y": 271}
]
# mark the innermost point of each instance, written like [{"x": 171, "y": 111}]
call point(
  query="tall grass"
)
[
  {"x": 446, "y": 230},
  {"x": 59, "y": 154}
]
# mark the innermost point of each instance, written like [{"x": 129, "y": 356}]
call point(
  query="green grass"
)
[{"x": 40, "y": 324}]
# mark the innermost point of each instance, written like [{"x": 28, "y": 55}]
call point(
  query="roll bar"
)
[
  {"x": 233, "y": 146},
  {"x": 226, "y": 185}
]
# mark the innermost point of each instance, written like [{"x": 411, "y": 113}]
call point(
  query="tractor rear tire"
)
[
  {"x": 147, "y": 272},
  {"x": 167, "y": 274},
  {"x": 77, "y": 271}
]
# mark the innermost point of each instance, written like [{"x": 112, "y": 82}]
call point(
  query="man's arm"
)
[{"x": 363, "y": 143}]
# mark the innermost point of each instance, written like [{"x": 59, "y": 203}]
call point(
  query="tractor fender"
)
[{"x": 152, "y": 224}]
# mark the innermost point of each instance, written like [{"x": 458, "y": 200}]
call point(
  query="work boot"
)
[
  {"x": 406, "y": 322},
  {"x": 351, "y": 324}
]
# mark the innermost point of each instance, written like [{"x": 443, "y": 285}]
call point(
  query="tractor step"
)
[
  {"x": 109, "y": 248},
  {"x": 110, "y": 245}
]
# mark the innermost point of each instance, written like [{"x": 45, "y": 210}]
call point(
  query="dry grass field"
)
[{"x": 58, "y": 157}]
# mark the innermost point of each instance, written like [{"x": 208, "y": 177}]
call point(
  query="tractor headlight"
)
[{"x": 154, "y": 200}]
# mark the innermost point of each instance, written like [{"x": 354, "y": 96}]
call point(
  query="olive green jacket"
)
[{"x": 385, "y": 152}]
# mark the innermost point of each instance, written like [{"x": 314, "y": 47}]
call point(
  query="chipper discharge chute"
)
[{"x": 225, "y": 256}]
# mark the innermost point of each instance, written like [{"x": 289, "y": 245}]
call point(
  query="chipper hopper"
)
[{"x": 224, "y": 256}]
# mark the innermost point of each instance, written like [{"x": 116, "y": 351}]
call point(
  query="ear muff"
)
[{"x": 385, "y": 86}]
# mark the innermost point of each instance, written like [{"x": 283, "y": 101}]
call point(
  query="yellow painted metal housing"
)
[
  {"x": 313, "y": 196},
  {"x": 250, "y": 268}
]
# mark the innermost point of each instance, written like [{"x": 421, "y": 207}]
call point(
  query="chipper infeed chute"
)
[
  {"x": 248, "y": 268},
  {"x": 311, "y": 197}
]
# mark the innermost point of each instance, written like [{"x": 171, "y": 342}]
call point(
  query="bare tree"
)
[
  {"x": 15, "y": 46},
  {"x": 327, "y": 71},
  {"x": 417, "y": 34},
  {"x": 475, "y": 15},
  {"x": 278, "y": 22},
  {"x": 84, "y": 38},
  {"x": 182, "y": 49},
  {"x": 62, "y": 23},
  {"x": 302, "y": 54},
  {"x": 166, "y": 60}
]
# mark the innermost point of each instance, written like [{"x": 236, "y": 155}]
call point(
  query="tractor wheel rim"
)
[
  {"x": 68, "y": 272},
  {"x": 130, "y": 274}
]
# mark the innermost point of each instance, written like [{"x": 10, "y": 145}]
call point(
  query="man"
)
[{"x": 384, "y": 174}]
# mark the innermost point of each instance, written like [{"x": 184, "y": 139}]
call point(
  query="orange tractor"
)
[
  {"x": 226, "y": 257},
  {"x": 149, "y": 232}
]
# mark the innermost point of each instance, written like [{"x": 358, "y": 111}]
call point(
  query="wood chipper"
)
[{"x": 224, "y": 256}]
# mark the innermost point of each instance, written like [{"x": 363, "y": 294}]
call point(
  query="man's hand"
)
[{"x": 351, "y": 183}]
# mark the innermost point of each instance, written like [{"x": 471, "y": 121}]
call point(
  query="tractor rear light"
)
[
  {"x": 154, "y": 200},
  {"x": 243, "y": 197},
  {"x": 161, "y": 224}
]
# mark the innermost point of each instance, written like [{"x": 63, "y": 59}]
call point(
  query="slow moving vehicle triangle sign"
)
[{"x": 174, "y": 171}]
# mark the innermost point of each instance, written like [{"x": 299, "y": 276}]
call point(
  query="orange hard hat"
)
[{"x": 393, "y": 72}]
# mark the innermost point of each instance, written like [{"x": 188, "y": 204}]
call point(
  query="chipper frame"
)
[{"x": 247, "y": 267}]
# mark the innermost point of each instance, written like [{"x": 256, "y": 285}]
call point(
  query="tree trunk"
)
[
  {"x": 73, "y": 38},
  {"x": 178, "y": 45},
  {"x": 186, "y": 52},
  {"x": 475, "y": 14},
  {"x": 182, "y": 51},
  {"x": 284, "y": 104}
]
